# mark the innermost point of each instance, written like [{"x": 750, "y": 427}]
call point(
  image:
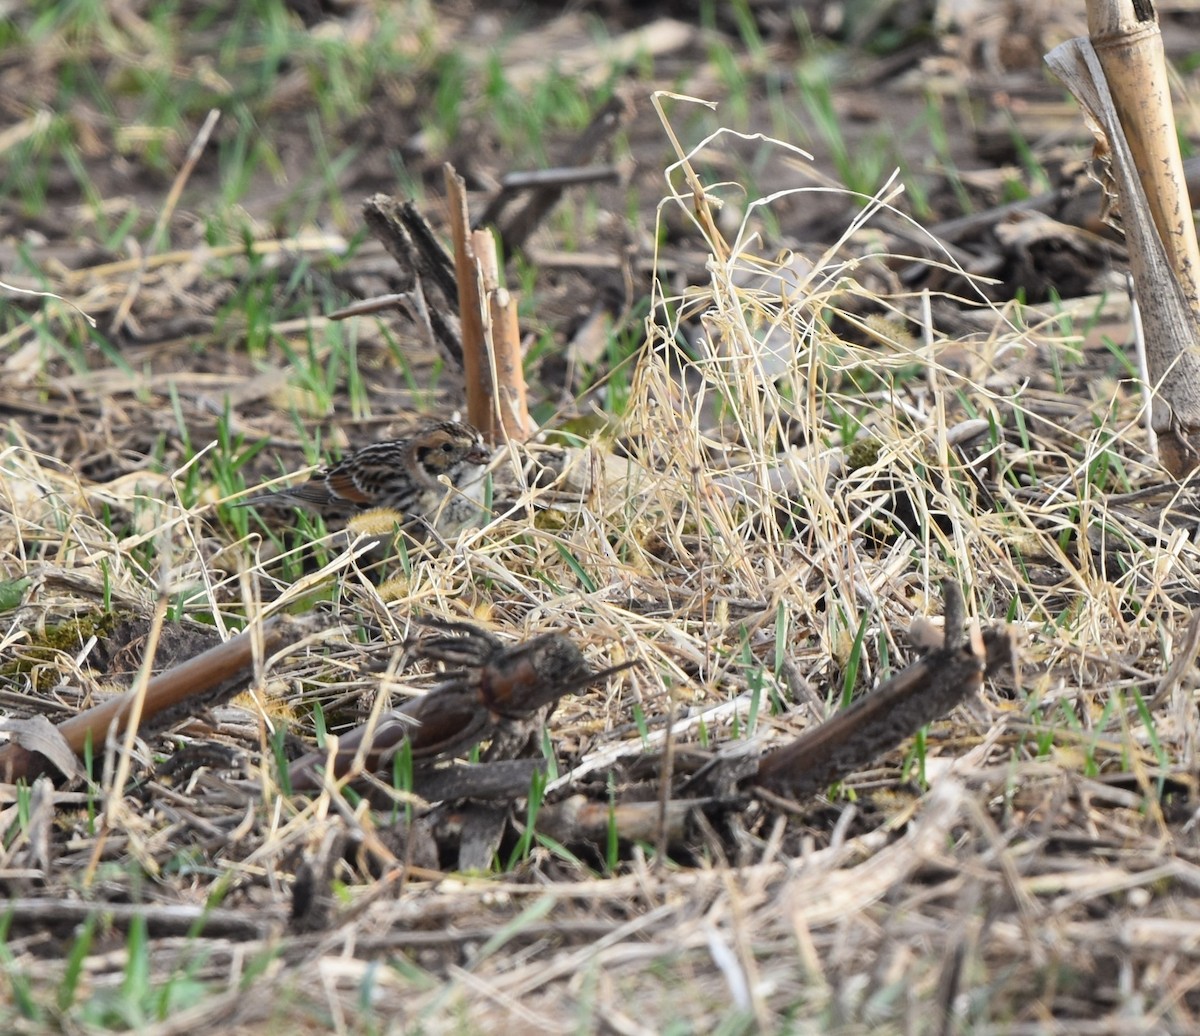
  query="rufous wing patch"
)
[{"x": 342, "y": 484}]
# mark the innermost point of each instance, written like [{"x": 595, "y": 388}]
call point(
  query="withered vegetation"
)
[{"x": 725, "y": 537}]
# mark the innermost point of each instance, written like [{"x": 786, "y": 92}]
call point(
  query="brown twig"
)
[
  {"x": 160, "y": 919},
  {"x": 491, "y": 346},
  {"x": 212, "y": 677},
  {"x": 570, "y": 176}
]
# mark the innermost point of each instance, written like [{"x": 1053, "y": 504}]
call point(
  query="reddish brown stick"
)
[
  {"x": 480, "y": 411},
  {"x": 491, "y": 345},
  {"x": 208, "y": 679}
]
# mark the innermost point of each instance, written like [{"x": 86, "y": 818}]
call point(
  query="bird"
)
[{"x": 401, "y": 475}]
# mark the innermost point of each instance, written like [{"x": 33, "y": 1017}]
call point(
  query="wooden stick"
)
[
  {"x": 212, "y": 677},
  {"x": 504, "y": 337},
  {"x": 480, "y": 411},
  {"x": 492, "y": 369}
]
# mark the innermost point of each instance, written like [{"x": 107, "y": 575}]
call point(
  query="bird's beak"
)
[{"x": 479, "y": 454}]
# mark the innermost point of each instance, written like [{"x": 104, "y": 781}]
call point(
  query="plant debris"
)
[{"x": 778, "y": 416}]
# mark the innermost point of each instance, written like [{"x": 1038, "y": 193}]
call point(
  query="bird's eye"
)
[{"x": 447, "y": 447}]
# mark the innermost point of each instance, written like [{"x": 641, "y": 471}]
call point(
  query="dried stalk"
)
[
  {"x": 212, "y": 677},
  {"x": 507, "y": 373},
  {"x": 495, "y": 379},
  {"x": 1127, "y": 40},
  {"x": 1119, "y": 77},
  {"x": 426, "y": 270}
]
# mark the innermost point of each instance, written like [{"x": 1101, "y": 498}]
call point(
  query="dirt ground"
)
[{"x": 783, "y": 430}]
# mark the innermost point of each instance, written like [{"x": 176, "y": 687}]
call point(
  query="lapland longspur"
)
[{"x": 402, "y": 475}]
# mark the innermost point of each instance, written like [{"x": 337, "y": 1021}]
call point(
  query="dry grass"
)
[{"x": 768, "y": 533}]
